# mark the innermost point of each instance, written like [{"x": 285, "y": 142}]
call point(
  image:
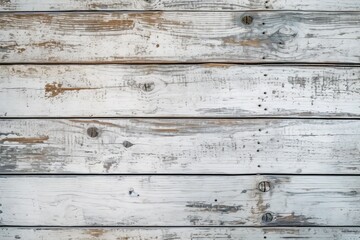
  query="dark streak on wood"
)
[
  {"x": 291, "y": 219},
  {"x": 214, "y": 207}
]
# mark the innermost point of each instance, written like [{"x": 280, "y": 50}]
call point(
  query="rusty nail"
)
[
  {"x": 264, "y": 186},
  {"x": 247, "y": 20},
  {"x": 267, "y": 217},
  {"x": 93, "y": 132}
]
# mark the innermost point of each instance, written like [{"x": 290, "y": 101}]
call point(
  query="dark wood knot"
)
[
  {"x": 127, "y": 144},
  {"x": 148, "y": 87},
  {"x": 247, "y": 20},
  {"x": 267, "y": 217},
  {"x": 93, "y": 132}
]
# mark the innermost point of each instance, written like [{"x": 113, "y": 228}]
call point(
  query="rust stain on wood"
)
[
  {"x": 245, "y": 43},
  {"x": 150, "y": 18},
  {"x": 96, "y": 232},
  {"x": 48, "y": 44},
  {"x": 166, "y": 130},
  {"x": 26, "y": 140},
  {"x": 54, "y": 89},
  {"x": 108, "y": 25},
  {"x": 217, "y": 65},
  {"x": 43, "y": 17}
]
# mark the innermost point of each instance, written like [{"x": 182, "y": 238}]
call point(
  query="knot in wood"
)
[
  {"x": 148, "y": 87},
  {"x": 247, "y": 20},
  {"x": 267, "y": 217},
  {"x": 264, "y": 186},
  {"x": 127, "y": 144},
  {"x": 93, "y": 132}
]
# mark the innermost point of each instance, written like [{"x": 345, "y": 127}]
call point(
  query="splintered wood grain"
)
[
  {"x": 83, "y": 37},
  {"x": 184, "y": 233},
  {"x": 180, "y": 146},
  {"x": 202, "y": 90},
  {"x": 179, "y": 200},
  {"x": 215, "y": 5}
]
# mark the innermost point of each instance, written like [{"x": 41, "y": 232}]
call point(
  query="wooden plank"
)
[
  {"x": 204, "y": 90},
  {"x": 274, "y": 233},
  {"x": 179, "y": 200},
  {"x": 211, "y": 5},
  {"x": 180, "y": 146},
  {"x": 304, "y": 37}
]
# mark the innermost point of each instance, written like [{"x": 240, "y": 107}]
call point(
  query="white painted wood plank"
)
[
  {"x": 180, "y": 146},
  {"x": 311, "y": 37},
  {"x": 204, "y": 90},
  {"x": 216, "y": 5},
  {"x": 179, "y": 200},
  {"x": 184, "y": 233}
]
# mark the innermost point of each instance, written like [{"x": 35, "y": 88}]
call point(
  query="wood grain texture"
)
[
  {"x": 193, "y": 233},
  {"x": 179, "y": 200},
  {"x": 180, "y": 146},
  {"x": 215, "y": 5},
  {"x": 203, "y": 90},
  {"x": 83, "y": 37}
]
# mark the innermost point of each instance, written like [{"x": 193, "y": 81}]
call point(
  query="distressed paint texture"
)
[
  {"x": 203, "y": 90},
  {"x": 121, "y": 37},
  {"x": 185, "y": 233},
  {"x": 179, "y": 200},
  {"x": 210, "y": 5},
  {"x": 210, "y": 146}
]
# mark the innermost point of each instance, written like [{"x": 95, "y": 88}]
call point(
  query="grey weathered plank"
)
[
  {"x": 217, "y": 5},
  {"x": 306, "y": 37},
  {"x": 204, "y": 90},
  {"x": 171, "y": 233},
  {"x": 179, "y": 200},
  {"x": 180, "y": 146}
]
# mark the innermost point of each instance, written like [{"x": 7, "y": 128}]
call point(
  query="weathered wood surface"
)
[
  {"x": 304, "y": 37},
  {"x": 180, "y": 146},
  {"x": 204, "y": 90},
  {"x": 179, "y": 200},
  {"x": 184, "y": 233},
  {"x": 216, "y": 5}
]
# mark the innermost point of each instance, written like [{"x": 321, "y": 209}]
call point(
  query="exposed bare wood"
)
[
  {"x": 312, "y": 37},
  {"x": 170, "y": 233},
  {"x": 216, "y": 5},
  {"x": 179, "y": 200},
  {"x": 206, "y": 90},
  {"x": 180, "y": 146}
]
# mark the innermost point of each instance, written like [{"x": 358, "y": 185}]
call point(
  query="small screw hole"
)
[{"x": 258, "y": 165}]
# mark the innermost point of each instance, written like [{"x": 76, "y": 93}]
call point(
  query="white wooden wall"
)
[{"x": 179, "y": 119}]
